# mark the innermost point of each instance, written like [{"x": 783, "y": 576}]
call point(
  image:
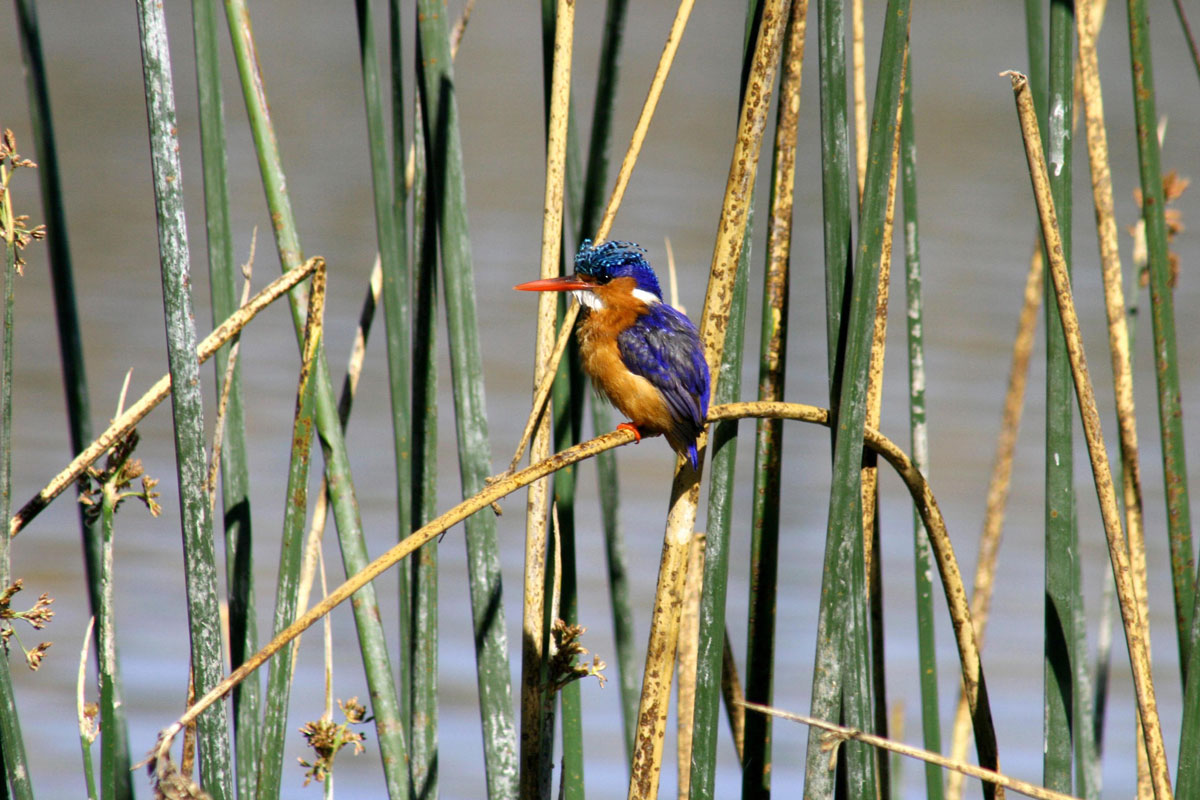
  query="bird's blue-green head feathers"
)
[{"x": 612, "y": 260}]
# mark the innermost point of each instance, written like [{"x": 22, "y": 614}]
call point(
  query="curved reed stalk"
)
[
  {"x": 918, "y": 487},
  {"x": 1139, "y": 660}
]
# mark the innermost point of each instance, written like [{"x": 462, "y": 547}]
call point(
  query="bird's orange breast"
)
[{"x": 632, "y": 394}]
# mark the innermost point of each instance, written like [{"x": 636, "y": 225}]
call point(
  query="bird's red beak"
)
[{"x": 564, "y": 283}]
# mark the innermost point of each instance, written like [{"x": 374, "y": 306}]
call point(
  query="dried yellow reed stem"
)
[
  {"x": 159, "y": 392},
  {"x": 839, "y": 733},
  {"x": 1134, "y": 631},
  {"x": 537, "y": 747}
]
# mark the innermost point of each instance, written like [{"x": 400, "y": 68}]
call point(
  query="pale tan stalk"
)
[
  {"x": 1134, "y": 631},
  {"x": 1088, "y": 20},
  {"x": 159, "y": 392},
  {"x": 689, "y": 651},
  {"x": 858, "y": 31},
  {"x": 870, "y": 474},
  {"x": 839, "y": 734},
  {"x": 714, "y": 319},
  {"x": 537, "y": 746}
]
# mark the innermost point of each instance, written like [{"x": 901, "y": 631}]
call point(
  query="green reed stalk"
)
[
  {"x": 1162, "y": 317},
  {"x": 291, "y": 549},
  {"x": 835, "y": 180},
  {"x": 397, "y": 309},
  {"x": 186, "y": 404},
  {"x": 596, "y": 180},
  {"x": 106, "y": 625},
  {"x": 12, "y": 745},
  {"x": 393, "y": 254},
  {"x": 373, "y": 645},
  {"x": 75, "y": 383},
  {"x": 835, "y": 184},
  {"x": 424, "y": 569},
  {"x": 841, "y": 670},
  {"x": 235, "y": 472},
  {"x": 764, "y": 545},
  {"x": 1188, "y": 775},
  {"x": 931, "y": 730},
  {"x": 1060, "y": 521},
  {"x": 440, "y": 117}
]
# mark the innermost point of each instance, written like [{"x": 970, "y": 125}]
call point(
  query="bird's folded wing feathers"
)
[{"x": 664, "y": 348}]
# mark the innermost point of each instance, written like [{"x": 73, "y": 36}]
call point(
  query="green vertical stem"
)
[
  {"x": 835, "y": 181},
  {"x": 723, "y": 446},
  {"x": 389, "y": 228},
  {"x": 212, "y": 728},
  {"x": 397, "y": 310},
  {"x": 106, "y": 625},
  {"x": 12, "y": 745},
  {"x": 1187, "y": 780},
  {"x": 235, "y": 473},
  {"x": 931, "y": 731},
  {"x": 1162, "y": 317},
  {"x": 1060, "y": 525},
  {"x": 841, "y": 670},
  {"x": 711, "y": 638},
  {"x": 440, "y": 117},
  {"x": 424, "y": 569},
  {"x": 75, "y": 384},
  {"x": 291, "y": 549},
  {"x": 1035, "y": 43},
  {"x": 764, "y": 543},
  {"x": 385, "y": 702},
  {"x": 595, "y": 182}
]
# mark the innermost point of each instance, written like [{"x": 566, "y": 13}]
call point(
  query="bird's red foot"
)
[{"x": 629, "y": 426}]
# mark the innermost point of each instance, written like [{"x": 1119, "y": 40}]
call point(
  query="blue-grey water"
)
[{"x": 976, "y": 231}]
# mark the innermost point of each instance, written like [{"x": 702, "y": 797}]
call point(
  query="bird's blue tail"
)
[{"x": 693, "y": 456}]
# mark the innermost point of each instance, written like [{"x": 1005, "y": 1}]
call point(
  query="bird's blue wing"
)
[{"x": 664, "y": 348}]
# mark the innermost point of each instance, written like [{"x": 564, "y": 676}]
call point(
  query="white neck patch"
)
[
  {"x": 588, "y": 298},
  {"x": 646, "y": 297}
]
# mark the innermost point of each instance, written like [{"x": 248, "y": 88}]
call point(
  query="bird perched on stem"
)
[{"x": 640, "y": 353}]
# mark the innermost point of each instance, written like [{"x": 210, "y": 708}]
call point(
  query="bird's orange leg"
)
[{"x": 629, "y": 426}]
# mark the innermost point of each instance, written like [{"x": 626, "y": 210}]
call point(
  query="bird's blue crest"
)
[{"x": 617, "y": 260}]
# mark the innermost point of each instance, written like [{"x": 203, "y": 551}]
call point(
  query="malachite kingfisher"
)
[{"x": 640, "y": 353}]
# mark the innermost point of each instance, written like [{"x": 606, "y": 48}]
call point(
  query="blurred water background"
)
[{"x": 977, "y": 227}]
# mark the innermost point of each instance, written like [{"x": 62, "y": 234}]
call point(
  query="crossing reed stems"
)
[
  {"x": 372, "y": 644},
  {"x": 1139, "y": 661}
]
